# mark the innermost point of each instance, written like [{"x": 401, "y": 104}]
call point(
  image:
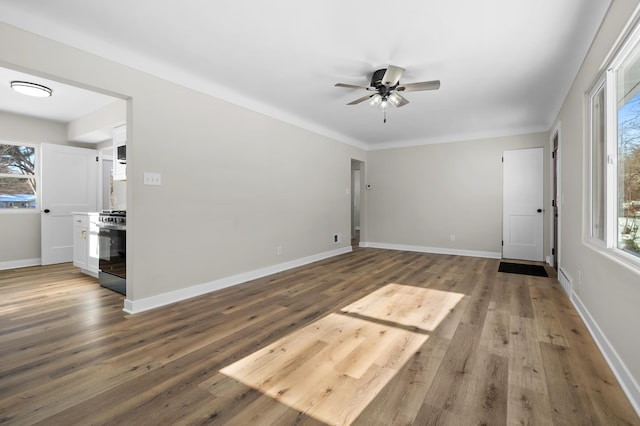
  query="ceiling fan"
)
[{"x": 385, "y": 83}]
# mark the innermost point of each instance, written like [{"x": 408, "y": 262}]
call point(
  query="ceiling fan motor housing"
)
[{"x": 376, "y": 79}]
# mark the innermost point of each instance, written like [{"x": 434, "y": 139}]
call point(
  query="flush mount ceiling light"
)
[{"x": 31, "y": 89}]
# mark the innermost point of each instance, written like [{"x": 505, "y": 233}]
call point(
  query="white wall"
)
[
  {"x": 20, "y": 128},
  {"x": 422, "y": 195},
  {"x": 235, "y": 184},
  {"x": 20, "y": 231},
  {"x": 608, "y": 291},
  {"x": 99, "y": 123}
]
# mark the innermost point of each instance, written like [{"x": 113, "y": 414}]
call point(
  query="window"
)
[
  {"x": 628, "y": 152},
  {"x": 615, "y": 153},
  {"x": 18, "y": 176}
]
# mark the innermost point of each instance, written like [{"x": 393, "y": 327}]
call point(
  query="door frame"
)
[
  {"x": 361, "y": 203},
  {"x": 555, "y": 178}
]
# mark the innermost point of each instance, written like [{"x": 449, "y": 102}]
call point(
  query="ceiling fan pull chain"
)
[{"x": 384, "y": 112}]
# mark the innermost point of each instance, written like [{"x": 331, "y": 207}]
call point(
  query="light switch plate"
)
[{"x": 152, "y": 178}]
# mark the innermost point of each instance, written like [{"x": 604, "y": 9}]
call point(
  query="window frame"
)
[
  {"x": 610, "y": 157},
  {"x": 593, "y": 93},
  {"x": 36, "y": 176}
]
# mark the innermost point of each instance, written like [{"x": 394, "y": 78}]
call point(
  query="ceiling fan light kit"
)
[
  {"x": 385, "y": 83},
  {"x": 395, "y": 100},
  {"x": 31, "y": 89}
]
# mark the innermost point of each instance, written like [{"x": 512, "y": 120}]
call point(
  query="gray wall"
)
[
  {"x": 608, "y": 288},
  {"x": 422, "y": 195}
]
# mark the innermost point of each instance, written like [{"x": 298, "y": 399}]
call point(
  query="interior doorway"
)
[
  {"x": 357, "y": 196},
  {"x": 88, "y": 114}
]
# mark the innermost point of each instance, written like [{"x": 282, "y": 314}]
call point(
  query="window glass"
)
[
  {"x": 17, "y": 177},
  {"x": 598, "y": 164},
  {"x": 628, "y": 153},
  {"x": 17, "y": 159}
]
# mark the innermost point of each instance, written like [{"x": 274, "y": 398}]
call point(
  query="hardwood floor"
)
[{"x": 373, "y": 337}]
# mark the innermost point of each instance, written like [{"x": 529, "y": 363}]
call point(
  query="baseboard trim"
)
[
  {"x": 620, "y": 370},
  {"x": 137, "y": 306},
  {"x": 434, "y": 250},
  {"x": 22, "y": 263}
]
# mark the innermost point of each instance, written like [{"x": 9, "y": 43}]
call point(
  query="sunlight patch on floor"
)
[
  {"x": 406, "y": 305},
  {"x": 333, "y": 368}
]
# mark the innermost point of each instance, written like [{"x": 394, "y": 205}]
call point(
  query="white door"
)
[
  {"x": 69, "y": 184},
  {"x": 523, "y": 217}
]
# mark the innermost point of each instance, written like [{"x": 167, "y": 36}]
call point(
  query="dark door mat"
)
[{"x": 519, "y": 268}]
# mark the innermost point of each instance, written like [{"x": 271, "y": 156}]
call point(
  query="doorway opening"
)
[
  {"x": 357, "y": 198},
  {"x": 70, "y": 181}
]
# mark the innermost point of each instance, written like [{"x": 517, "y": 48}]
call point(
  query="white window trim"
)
[
  {"x": 600, "y": 83},
  {"x": 36, "y": 175}
]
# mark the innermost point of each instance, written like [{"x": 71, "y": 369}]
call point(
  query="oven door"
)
[{"x": 112, "y": 260}]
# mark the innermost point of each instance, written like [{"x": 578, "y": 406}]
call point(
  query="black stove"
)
[{"x": 112, "y": 237}]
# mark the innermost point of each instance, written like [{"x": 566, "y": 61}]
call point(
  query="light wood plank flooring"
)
[{"x": 373, "y": 337}]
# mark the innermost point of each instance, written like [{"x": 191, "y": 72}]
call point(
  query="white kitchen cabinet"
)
[
  {"x": 80, "y": 240},
  {"x": 85, "y": 242},
  {"x": 120, "y": 153}
]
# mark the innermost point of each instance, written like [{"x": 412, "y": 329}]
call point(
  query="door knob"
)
[
  {"x": 46, "y": 210},
  {"x": 539, "y": 210}
]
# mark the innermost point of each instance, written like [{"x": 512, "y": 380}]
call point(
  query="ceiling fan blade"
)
[
  {"x": 398, "y": 100},
  {"x": 362, "y": 99},
  {"x": 392, "y": 75},
  {"x": 423, "y": 85},
  {"x": 351, "y": 86}
]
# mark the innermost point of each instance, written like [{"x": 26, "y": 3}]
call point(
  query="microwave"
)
[{"x": 122, "y": 154}]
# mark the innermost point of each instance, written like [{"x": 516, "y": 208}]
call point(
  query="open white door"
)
[
  {"x": 523, "y": 217},
  {"x": 69, "y": 184}
]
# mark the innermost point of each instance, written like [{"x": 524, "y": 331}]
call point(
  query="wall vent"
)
[{"x": 565, "y": 282}]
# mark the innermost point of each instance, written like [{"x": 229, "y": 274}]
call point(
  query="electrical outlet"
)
[
  {"x": 453, "y": 237},
  {"x": 337, "y": 238},
  {"x": 279, "y": 250}
]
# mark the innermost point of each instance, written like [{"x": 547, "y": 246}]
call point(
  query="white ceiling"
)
[{"x": 505, "y": 66}]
